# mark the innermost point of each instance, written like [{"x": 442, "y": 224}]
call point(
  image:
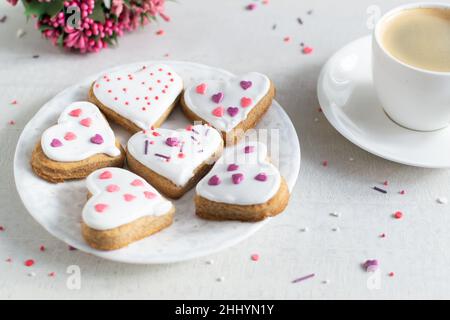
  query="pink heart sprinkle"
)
[
  {"x": 172, "y": 142},
  {"x": 201, "y": 88},
  {"x": 112, "y": 188},
  {"x": 237, "y": 178},
  {"x": 97, "y": 139},
  {"x": 149, "y": 194},
  {"x": 128, "y": 197},
  {"x": 232, "y": 111},
  {"x": 261, "y": 177},
  {"x": 214, "y": 181},
  {"x": 218, "y": 112},
  {"x": 137, "y": 183},
  {"x": 75, "y": 113},
  {"x": 70, "y": 136},
  {"x": 86, "y": 122},
  {"x": 232, "y": 167},
  {"x": 56, "y": 143},
  {"x": 245, "y": 84},
  {"x": 100, "y": 207},
  {"x": 249, "y": 149},
  {"x": 217, "y": 98},
  {"x": 245, "y": 102},
  {"x": 105, "y": 175}
]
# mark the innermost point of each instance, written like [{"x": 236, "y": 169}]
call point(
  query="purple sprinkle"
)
[
  {"x": 172, "y": 142},
  {"x": 193, "y": 138},
  {"x": 237, "y": 178},
  {"x": 232, "y": 111},
  {"x": 217, "y": 98},
  {"x": 194, "y": 131},
  {"x": 261, "y": 177},
  {"x": 206, "y": 132},
  {"x": 97, "y": 139},
  {"x": 146, "y": 147},
  {"x": 249, "y": 149},
  {"x": 181, "y": 147},
  {"x": 379, "y": 190},
  {"x": 56, "y": 143},
  {"x": 214, "y": 181},
  {"x": 245, "y": 84},
  {"x": 162, "y": 156},
  {"x": 370, "y": 265},
  {"x": 200, "y": 151},
  {"x": 303, "y": 278},
  {"x": 232, "y": 167}
]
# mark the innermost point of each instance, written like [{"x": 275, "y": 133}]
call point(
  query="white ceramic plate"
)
[
  {"x": 348, "y": 100},
  {"x": 57, "y": 207}
]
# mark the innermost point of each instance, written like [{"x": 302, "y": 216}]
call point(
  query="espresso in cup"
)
[{"x": 419, "y": 37}]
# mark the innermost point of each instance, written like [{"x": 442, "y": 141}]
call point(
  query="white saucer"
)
[
  {"x": 57, "y": 207},
  {"x": 349, "y": 102}
]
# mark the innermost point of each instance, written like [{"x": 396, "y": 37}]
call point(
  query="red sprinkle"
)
[
  {"x": 189, "y": 128},
  {"x": 14, "y": 102},
  {"x": 2, "y": 228},
  {"x": 181, "y": 155},
  {"x": 8, "y": 260},
  {"x": 287, "y": 39},
  {"x": 42, "y": 248},
  {"x": 29, "y": 262},
  {"x": 52, "y": 274},
  {"x": 402, "y": 192},
  {"x": 391, "y": 274},
  {"x": 386, "y": 183},
  {"x": 254, "y": 257},
  {"x": 72, "y": 248},
  {"x": 251, "y": 6},
  {"x": 307, "y": 50},
  {"x": 383, "y": 235},
  {"x": 325, "y": 163},
  {"x": 398, "y": 215},
  {"x": 160, "y": 32},
  {"x": 156, "y": 134},
  {"x": 12, "y": 122}
]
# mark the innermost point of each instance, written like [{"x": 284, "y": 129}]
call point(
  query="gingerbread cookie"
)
[
  {"x": 242, "y": 185},
  {"x": 81, "y": 142},
  {"x": 122, "y": 208},
  {"x": 137, "y": 99},
  {"x": 231, "y": 106},
  {"x": 174, "y": 161}
]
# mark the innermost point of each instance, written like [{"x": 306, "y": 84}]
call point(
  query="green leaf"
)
[
  {"x": 60, "y": 41},
  {"x": 98, "y": 14},
  {"x": 43, "y": 8}
]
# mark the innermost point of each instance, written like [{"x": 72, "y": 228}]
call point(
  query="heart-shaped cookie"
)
[
  {"x": 78, "y": 144},
  {"x": 174, "y": 160},
  {"x": 229, "y": 105},
  {"x": 82, "y": 131},
  {"x": 123, "y": 208},
  {"x": 138, "y": 98},
  {"x": 242, "y": 185}
]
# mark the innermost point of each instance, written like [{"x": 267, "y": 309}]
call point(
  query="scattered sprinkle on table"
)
[
  {"x": 299, "y": 20},
  {"x": 391, "y": 274},
  {"x": 32, "y": 274},
  {"x": 336, "y": 229},
  {"x": 29, "y": 262},
  {"x": 335, "y": 214},
  {"x": 220, "y": 279},
  {"x": 325, "y": 163},
  {"x": 251, "y": 6},
  {"x": 14, "y": 102},
  {"x": 370, "y": 265},
  {"x": 326, "y": 281},
  {"x": 210, "y": 261},
  {"x": 287, "y": 39},
  {"x": 442, "y": 200},
  {"x": 398, "y": 215},
  {"x": 402, "y": 192},
  {"x": 2, "y": 228},
  {"x": 303, "y": 278},
  {"x": 20, "y": 33},
  {"x": 304, "y": 229},
  {"x": 3, "y": 18},
  {"x": 265, "y": 1},
  {"x": 385, "y": 183},
  {"x": 307, "y": 50},
  {"x": 52, "y": 274},
  {"x": 42, "y": 248},
  {"x": 309, "y": 12},
  {"x": 8, "y": 260},
  {"x": 11, "y": 122},
  {"x": 254, "y": 257},
  {"x": 383, "y": 235},
  {"x": 274, "y": 27},
  {"x": 35, "y": 56},
  {"x": 160, "y": 32},
  {"x": 379, "y": 190}
]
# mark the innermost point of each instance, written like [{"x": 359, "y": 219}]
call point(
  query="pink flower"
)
[
  {"x": 13, "y": 2},
  {"x": 117, "y": 7}
]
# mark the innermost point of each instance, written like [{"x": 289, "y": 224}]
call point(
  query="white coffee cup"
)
[{"x": 415, "y": 98}]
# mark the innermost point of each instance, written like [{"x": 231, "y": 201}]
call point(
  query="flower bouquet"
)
[{"x": 90, "y": 25}]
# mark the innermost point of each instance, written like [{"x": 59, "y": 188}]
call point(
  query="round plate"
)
[
  {"x": 348, "y": 100},
  {"x": 57, "y": 207}
]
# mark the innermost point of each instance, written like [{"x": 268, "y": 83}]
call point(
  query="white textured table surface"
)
[{"x": 222, "y": 33}]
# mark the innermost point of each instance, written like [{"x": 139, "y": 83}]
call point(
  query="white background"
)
[{"x": 223, "y": 34}]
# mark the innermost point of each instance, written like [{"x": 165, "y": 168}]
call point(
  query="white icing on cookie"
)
[
  {"x": 140, "y": 95},
  {"x": 243, "y": 176},
  {"x": 175, "y": 154},
  {"x": 226, "y": 103},
  {"x": 82, "y": 131},
  {"x": 120, "y": 197}
]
